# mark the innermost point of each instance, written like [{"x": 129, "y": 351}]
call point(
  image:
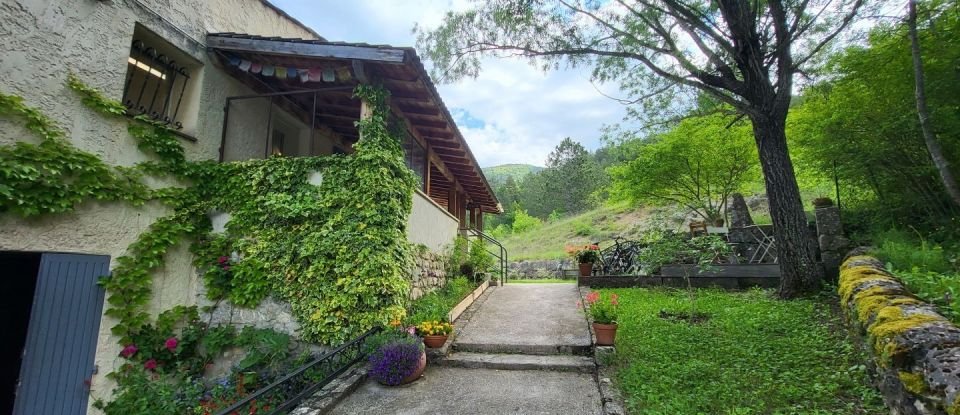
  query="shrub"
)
[
  {"x": 583, "y": 228},
  {"x": 523, "y": 222}
]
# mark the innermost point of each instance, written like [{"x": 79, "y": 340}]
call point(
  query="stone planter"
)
[
  {"x": 606, "y": 333},
  {"x": 434, "y": 341},
  {"x": 586, "y": 269}
]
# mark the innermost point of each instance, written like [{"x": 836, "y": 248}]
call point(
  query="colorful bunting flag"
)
[{"x": 319, "y": 74}]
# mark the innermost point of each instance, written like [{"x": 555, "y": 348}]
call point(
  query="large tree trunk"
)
[
  {"x": 933, "y": 144},
  {"x": 799, "y": 271}
]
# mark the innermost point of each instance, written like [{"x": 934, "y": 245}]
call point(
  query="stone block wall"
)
[
  {"x": 428, "y": 273},
  {"x": 537, "y": 269},
  {"x": 915, "y": 351},
  {"x": 831, "y": 240}
]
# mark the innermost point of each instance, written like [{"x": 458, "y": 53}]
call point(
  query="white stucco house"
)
[{"x": 238, "y": 79}]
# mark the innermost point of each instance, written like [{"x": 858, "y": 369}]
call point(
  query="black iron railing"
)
[
  {"x": 287, "y": 392},
  {"x": 500, "y": 253}
]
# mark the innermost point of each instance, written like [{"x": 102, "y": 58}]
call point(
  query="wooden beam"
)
[
  {"x": 428, "y": 123},
  {"x": 314, "y": 50},
  {"x": 424, "y": 110}
]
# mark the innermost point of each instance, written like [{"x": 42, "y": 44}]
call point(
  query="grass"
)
[
  {"x": 755, "y": 355},
  {"x": 436, "y": 304},
  {"x": 542, "y": 281},
  {"x": 600, "y": 224}
]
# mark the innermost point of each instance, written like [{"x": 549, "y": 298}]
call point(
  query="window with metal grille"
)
[{"x": 155, "y": 84}]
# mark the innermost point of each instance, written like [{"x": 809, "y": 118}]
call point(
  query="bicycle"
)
[{"x": 621, "y": 257}]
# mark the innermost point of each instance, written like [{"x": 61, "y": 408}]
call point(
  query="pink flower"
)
[
  {"x": 613, "y": 299},
  {"x": 412, "y": 330},
  {"x": 593, "y": 297},
  {"x": 223, "y": 259},
  {"x": 150, "y": 364},
  {"x": 128, "y": 351},
  {"x": 226, "y": 268},
  {"x": 171, "y": 344}
]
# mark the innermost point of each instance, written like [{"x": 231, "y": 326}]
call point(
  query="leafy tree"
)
[
  {"x": 571, "y": 176},
  {"x": 861, "y": 123},
  {"x": 923, "y": 111},
  {"x": 698, "y": 165},
  {"x": 743, "y": 53}
]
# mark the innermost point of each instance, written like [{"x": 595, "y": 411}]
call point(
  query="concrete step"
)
[
  {"x": 583, "y": 349},
  {"x": 556, "y": 363}
]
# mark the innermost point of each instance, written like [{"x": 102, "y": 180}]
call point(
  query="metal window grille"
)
[{"x": 155, "y": 84}]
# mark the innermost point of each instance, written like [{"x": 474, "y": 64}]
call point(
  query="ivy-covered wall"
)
[
  {"x": 327, "y": 235},
  {"x": 41, "y": 42}
]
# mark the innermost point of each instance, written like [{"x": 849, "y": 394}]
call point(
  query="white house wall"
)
[{"x": 431, "y": 225}]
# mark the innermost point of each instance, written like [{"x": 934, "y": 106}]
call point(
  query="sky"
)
[{"x": 511, "y": 113}]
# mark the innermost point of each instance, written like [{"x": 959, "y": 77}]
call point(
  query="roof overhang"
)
[{"x": 413, "y": 95}]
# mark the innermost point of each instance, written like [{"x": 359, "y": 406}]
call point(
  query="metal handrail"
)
[
  {"x": 502, "y": 256},
  {"x": 356, "y": 345}
]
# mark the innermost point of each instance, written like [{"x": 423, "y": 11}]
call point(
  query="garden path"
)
[{"x": 525, "y": 349}]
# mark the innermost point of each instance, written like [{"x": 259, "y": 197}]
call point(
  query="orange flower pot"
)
[
  {"x": 606, "y": 333},
  {"x": 418, "y": 372},
  {"x": 434, "y": 341},
  {"x": 586, "y": 269}
]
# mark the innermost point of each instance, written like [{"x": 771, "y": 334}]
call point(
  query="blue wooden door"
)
[{"x": 62, "y": 338}]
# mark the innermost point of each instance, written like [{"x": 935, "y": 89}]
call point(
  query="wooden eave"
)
[{"x": 399, "y": 70}]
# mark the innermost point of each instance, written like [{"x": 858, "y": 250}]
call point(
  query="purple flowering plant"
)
[{"x": 396, "y": 358}]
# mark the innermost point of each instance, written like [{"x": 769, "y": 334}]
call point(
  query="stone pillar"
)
[
  {"x": 739, "y": 212},
  {"x": 830, "y": 237},
  {"x": 742, "y": 239}
]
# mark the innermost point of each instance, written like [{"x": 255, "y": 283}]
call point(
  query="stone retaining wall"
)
[
  {"x": 427, "y": 274},
  {"x": 537, "y": 269},
  {"x": 915, "y": 351}
]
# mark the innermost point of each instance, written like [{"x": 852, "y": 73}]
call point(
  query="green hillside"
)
[
  {"x": 600, "y": 224},
  {"x": 498, "y": 174}
]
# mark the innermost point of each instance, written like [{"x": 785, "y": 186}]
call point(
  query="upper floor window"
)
[
  {"x": 158, "y": 82},
  {"x": 415, "y": 157}
]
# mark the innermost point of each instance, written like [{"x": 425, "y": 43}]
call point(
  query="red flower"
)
[
  {"x": 226, "y": 268},
  {"x": 128, "y": 351},
  {"x": 593, "y": 297},
  {"x": 223, "y": 259},
  {"x": 613, "y": 299},
  {"x": 150, "y": 364},
  {"x": 171, "y": 344}
]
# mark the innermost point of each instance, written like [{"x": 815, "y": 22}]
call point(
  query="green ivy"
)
[
  {"x": 336, "y": 252},
  {"x": 53, "y": 176}
]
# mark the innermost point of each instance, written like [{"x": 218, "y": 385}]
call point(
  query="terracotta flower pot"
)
[
  {"x": 606, "y": 333},
  {"x": 586, "y": 269},
  {"x": 434, "y": 341},
  {"x": 418, "y": 371}
]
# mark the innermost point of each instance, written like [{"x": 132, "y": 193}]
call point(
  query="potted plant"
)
[
  {"x": 434, "y": 332},
  {"x": 586, "y": 257},
  {"x": 399, "y": 358},
  {"x": 603, "y": 311}
]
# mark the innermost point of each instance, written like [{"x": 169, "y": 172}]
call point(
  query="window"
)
[
  {"x": 277, "y": 143},
  {"x": 414, "y": 155},
  {"x": 156, "y": 82}
]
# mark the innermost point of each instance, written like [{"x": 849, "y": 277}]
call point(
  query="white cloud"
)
[{"x": 525, "y": 112}]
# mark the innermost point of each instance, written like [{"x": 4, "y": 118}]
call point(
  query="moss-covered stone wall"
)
[{"x": 915, "y": 351}]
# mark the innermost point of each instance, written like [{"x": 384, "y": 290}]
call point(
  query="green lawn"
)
[{"x": 755, "y": 355}]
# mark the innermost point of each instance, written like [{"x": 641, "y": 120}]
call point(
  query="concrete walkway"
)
[
  {"x": 528, "y": 319},
  {"x": 523, "y": 351}
]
